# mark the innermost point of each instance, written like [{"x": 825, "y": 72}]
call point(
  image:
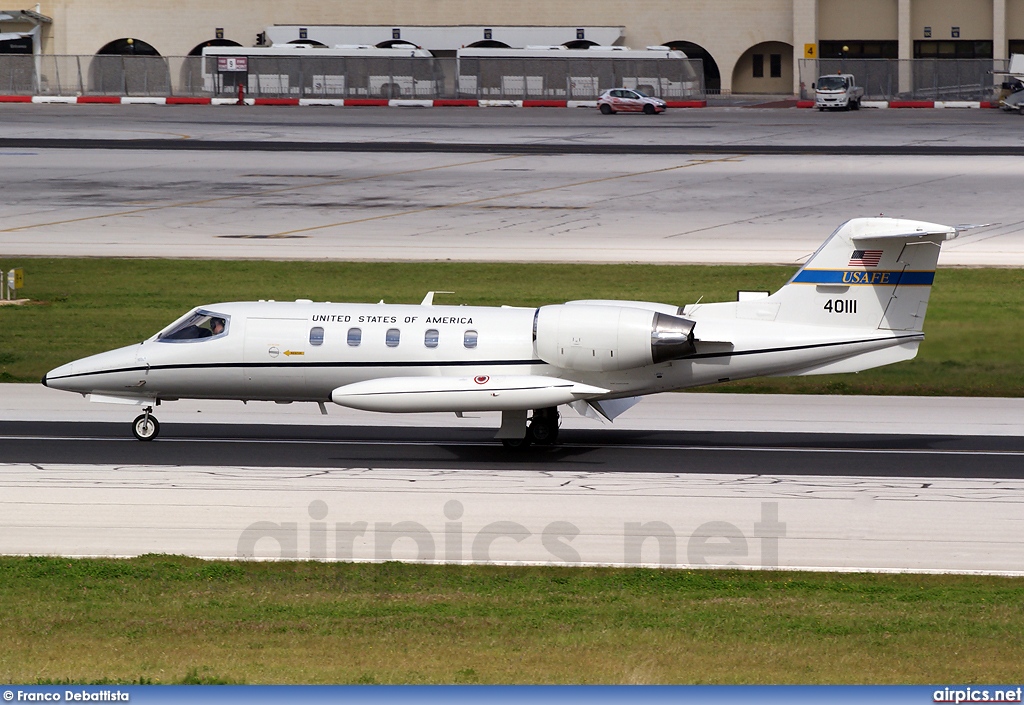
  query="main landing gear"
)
[
  {"x": 542, "y": 430},
  {"x": 145, "y": 426}
]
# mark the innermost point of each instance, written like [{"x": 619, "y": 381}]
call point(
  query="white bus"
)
[
  {"x": 555, "y": 72},
  {"x": 303, "y": 71}
]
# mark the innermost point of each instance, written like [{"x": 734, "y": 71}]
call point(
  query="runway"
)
[
  {"x": 920, "y": 485},
  {"x": 591, "y": 450}
]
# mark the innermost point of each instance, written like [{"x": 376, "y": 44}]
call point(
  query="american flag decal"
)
[{"x": 865, "y": 258}]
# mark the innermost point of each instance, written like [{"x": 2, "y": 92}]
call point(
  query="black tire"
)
[
  {"x": 821, "y": 110},
  {"x": 649, "y": 109},
  {"x": 855, "y": 105},
  {"x": 543, "y": 432},
  {"x": 1020, "y": 109},
  {"x": 145, "y": 431},
  {"x": 606, "y": 109}
]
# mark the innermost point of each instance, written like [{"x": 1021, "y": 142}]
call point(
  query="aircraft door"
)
[{"x": 275, "y": 351}]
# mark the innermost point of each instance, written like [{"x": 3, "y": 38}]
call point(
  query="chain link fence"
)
[
  {"x": 349, "y": 77},
  {"x": 911, "y": 79}
]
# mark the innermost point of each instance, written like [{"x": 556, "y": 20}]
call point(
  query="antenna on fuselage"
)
[{"x": 428, "y": 300}]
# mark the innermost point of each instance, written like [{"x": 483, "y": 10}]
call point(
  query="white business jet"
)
[{"x": 859, "y": 302}]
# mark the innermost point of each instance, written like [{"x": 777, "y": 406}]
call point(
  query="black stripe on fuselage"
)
[
  {"x": 292, "y": 365},
  {"x": 466, "y": 363}
]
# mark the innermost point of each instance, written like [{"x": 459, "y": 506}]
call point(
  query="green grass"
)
[
  {"x": 164, "y": 619},
  {"x": 974, "y": 346}
]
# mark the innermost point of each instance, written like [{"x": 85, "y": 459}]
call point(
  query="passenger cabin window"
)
[
  {"x": 431, "y": 338},
  {"x": 355, "y": 336},
  {"x": 201, "y": 325},
  {"x": 316, "y": 336},
  {"x": 392, "y": 337},
  {"x": 470, "y": 339}
]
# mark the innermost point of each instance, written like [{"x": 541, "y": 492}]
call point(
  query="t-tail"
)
[{"x": 872, "y": 273}]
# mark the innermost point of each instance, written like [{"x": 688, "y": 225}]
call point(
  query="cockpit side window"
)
[{"x": 200, "y": 326}]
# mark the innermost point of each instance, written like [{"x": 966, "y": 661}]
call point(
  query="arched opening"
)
[
  {"x": 488, "y": 44},
  {"x": 764, "y": 68},
  {"x": 197, "y": 50},
  {"x": 130, "y": 67},
  {"x": 580, "y": 44},
  {"x": 394, "y": 42},
  {"x": 712, "y": 77},
  {"x": 308, "y": 42},
  {"x": 128, "y": 46}
]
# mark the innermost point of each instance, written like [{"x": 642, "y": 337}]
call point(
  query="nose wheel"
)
[{"x": 146, "y": 427}]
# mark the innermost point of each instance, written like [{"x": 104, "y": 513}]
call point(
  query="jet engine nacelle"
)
[{"x": 605, "y": 338}]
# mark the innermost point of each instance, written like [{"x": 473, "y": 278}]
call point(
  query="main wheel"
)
[
  {"x": 145, "y": 427},
  {"x": 543, "y": 429},
  {"x": 649, "y": 109},
  {"x": 606, "y": 109}
]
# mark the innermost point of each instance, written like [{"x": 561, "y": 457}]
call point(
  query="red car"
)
[{"x": 626, "y": 100}]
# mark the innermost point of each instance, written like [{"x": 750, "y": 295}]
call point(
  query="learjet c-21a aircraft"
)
[{"x": 859, "y": 302}]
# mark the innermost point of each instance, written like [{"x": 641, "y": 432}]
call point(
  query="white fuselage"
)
[{"x": 302, "y": 351}]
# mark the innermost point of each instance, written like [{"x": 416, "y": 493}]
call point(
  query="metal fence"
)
[
  {"x": 348, "y": 77},
  {"x": 911, "y": 79}
]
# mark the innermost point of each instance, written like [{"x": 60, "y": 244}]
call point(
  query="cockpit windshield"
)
[
  {"x": 201, "y": 325},
  {"x": 832, "y": 83}
]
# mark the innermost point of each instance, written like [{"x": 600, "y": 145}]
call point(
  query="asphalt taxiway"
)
[{"x": 707, "y": 186}]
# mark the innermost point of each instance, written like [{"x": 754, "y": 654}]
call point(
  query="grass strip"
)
[
  {"x": 166, "y": 619},
  {"x": 974, "y": 346}
]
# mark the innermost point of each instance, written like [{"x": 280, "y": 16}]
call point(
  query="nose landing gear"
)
[{"x": 146, "y": 427}]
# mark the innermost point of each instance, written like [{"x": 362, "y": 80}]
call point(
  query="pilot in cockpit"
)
[{"x": 216, "y": 326}]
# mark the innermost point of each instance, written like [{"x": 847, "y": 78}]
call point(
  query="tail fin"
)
[{"x": 871, "y": 273}]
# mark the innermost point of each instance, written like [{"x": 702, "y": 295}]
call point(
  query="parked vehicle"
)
[
  {"x": 837, "y": 91},
  {"x": 624, "y": 100}
]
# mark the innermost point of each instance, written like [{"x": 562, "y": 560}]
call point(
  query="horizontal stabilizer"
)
[{"x": 480, "y": 393}]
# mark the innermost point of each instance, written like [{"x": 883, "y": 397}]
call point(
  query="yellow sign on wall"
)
[
  {"x": 19, "y": 278},
  {"x": 810, "y": 51}
]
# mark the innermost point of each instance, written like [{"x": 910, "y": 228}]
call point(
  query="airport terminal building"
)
[{"x": 746, "y": 46}]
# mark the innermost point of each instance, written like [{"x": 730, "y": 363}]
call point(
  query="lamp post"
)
[{"x": 842, "y": 54}]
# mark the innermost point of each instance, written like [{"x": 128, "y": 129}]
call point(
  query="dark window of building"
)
[
  {"x": 858, "y": 49},
  {"x": 953, "y": 49},
  {"x": 758, "y": 65},
  {"x": 776, "y": 65},
  {"x": 316, "y": 336},
  {"x": 1017, "y": 46}
]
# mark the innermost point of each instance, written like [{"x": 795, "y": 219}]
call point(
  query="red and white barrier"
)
[
  {"x": 437, "y": 102},
  {"x": 327, "y": 102},
  {"x": 912, "y": 104}
]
